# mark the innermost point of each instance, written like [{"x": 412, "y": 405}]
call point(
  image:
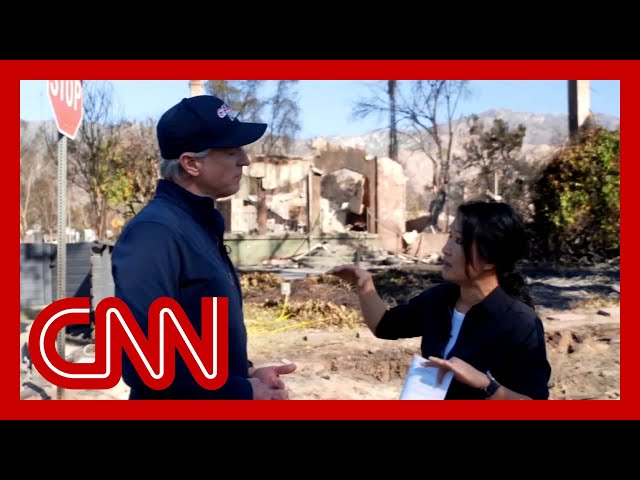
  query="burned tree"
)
[
  {"x": 37, "y": 181},
  {"x": 283, "y": 123},
  {"x": 425, "y": 115},
  {"x": 494, "y": 153},
  {"x": 138, "y": 157}
]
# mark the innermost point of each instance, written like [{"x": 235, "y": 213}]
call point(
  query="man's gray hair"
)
[{"x": 171, "y": 169}]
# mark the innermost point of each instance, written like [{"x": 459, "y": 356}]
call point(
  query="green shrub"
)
[{"x": 577, "y": 200}]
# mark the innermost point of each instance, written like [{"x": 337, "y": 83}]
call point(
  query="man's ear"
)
[{"x": 190, "y": 164}]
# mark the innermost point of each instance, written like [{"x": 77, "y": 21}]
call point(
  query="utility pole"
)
[
  {"x": 579, "y": 105},
  {"x": 393, "y": 129}
]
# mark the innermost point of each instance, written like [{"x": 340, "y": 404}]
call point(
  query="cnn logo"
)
[{"x": 116, "y": 330}]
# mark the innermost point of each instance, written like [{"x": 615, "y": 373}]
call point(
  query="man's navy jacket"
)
[{"x": 174, "y": 248}]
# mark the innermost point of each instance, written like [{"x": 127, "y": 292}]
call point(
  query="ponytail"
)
[{"x": 513, "y": 283}]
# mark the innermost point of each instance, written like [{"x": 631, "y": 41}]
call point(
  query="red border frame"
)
[{"x": 12, "y": 407}]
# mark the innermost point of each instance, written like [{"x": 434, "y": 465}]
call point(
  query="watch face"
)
[{"x": 493, "y": 385}]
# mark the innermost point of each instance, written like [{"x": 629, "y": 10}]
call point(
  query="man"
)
[{"x": 174, "y": 246}]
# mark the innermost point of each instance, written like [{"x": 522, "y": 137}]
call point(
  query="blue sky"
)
[{"x": 326, "y": 104}]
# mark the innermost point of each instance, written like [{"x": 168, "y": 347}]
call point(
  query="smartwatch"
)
[{"x": 493, "y": 385}]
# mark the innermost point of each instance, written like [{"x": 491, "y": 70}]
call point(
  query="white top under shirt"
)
[{"x": 456, "y": 324}]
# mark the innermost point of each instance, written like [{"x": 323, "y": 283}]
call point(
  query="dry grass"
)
[
  {"x": 259, "y": 281},
  {"x": 595, "y": 303},
  {"x": 272, "y": 317}
]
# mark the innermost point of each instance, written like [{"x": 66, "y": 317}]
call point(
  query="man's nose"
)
[{"x": 244, "y": 158}]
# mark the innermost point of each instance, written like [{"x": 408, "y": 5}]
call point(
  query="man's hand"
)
[
  {"x": 262, "y": 391},
  {"x": 266, "y": 382},
  {"x": 271, "y": 375},
  {"x": 462, "y": 371}
]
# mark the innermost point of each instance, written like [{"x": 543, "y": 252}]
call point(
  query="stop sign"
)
[{"x": 66, "y": 100}]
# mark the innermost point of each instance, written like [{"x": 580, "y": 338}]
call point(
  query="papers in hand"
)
[{"x": 420, "y": 383}]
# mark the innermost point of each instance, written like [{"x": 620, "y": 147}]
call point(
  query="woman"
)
[{"x": 480, "y": 324}]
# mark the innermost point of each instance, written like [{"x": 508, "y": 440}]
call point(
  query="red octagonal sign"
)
[{"x": 66, "y": 100}]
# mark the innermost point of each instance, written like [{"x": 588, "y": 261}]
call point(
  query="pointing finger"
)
[{"x": 284, "y": 369}]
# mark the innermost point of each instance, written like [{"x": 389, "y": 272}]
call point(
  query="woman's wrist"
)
[{"x": 366, "y": 285}]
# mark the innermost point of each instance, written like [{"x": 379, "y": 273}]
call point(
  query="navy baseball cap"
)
[{"x": 201, "y": 122}]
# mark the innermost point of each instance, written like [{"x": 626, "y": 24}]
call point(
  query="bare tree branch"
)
[
  {"x": 418, "y": 108},
  {"x": 284, "y": 122}
]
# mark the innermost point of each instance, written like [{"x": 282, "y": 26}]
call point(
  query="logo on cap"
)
[{"x": 225, "y": 111}]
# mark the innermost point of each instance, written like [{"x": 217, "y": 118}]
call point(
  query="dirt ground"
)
[
  {"x": 579, "y": 309},
  {"x": 319, "y": 328}
]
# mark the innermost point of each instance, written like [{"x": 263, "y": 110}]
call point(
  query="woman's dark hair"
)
[{"x": 500, "y": 238}]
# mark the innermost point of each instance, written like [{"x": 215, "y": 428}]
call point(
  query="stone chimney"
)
[{"x": 196, "y": 87}]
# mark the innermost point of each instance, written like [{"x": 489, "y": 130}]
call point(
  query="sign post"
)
[{"x": 66, "y": 101}]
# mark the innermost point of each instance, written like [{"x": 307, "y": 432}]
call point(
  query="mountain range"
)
[
  {"x": 544, "y": 132},
  {"x": 542, "y": 129}
]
